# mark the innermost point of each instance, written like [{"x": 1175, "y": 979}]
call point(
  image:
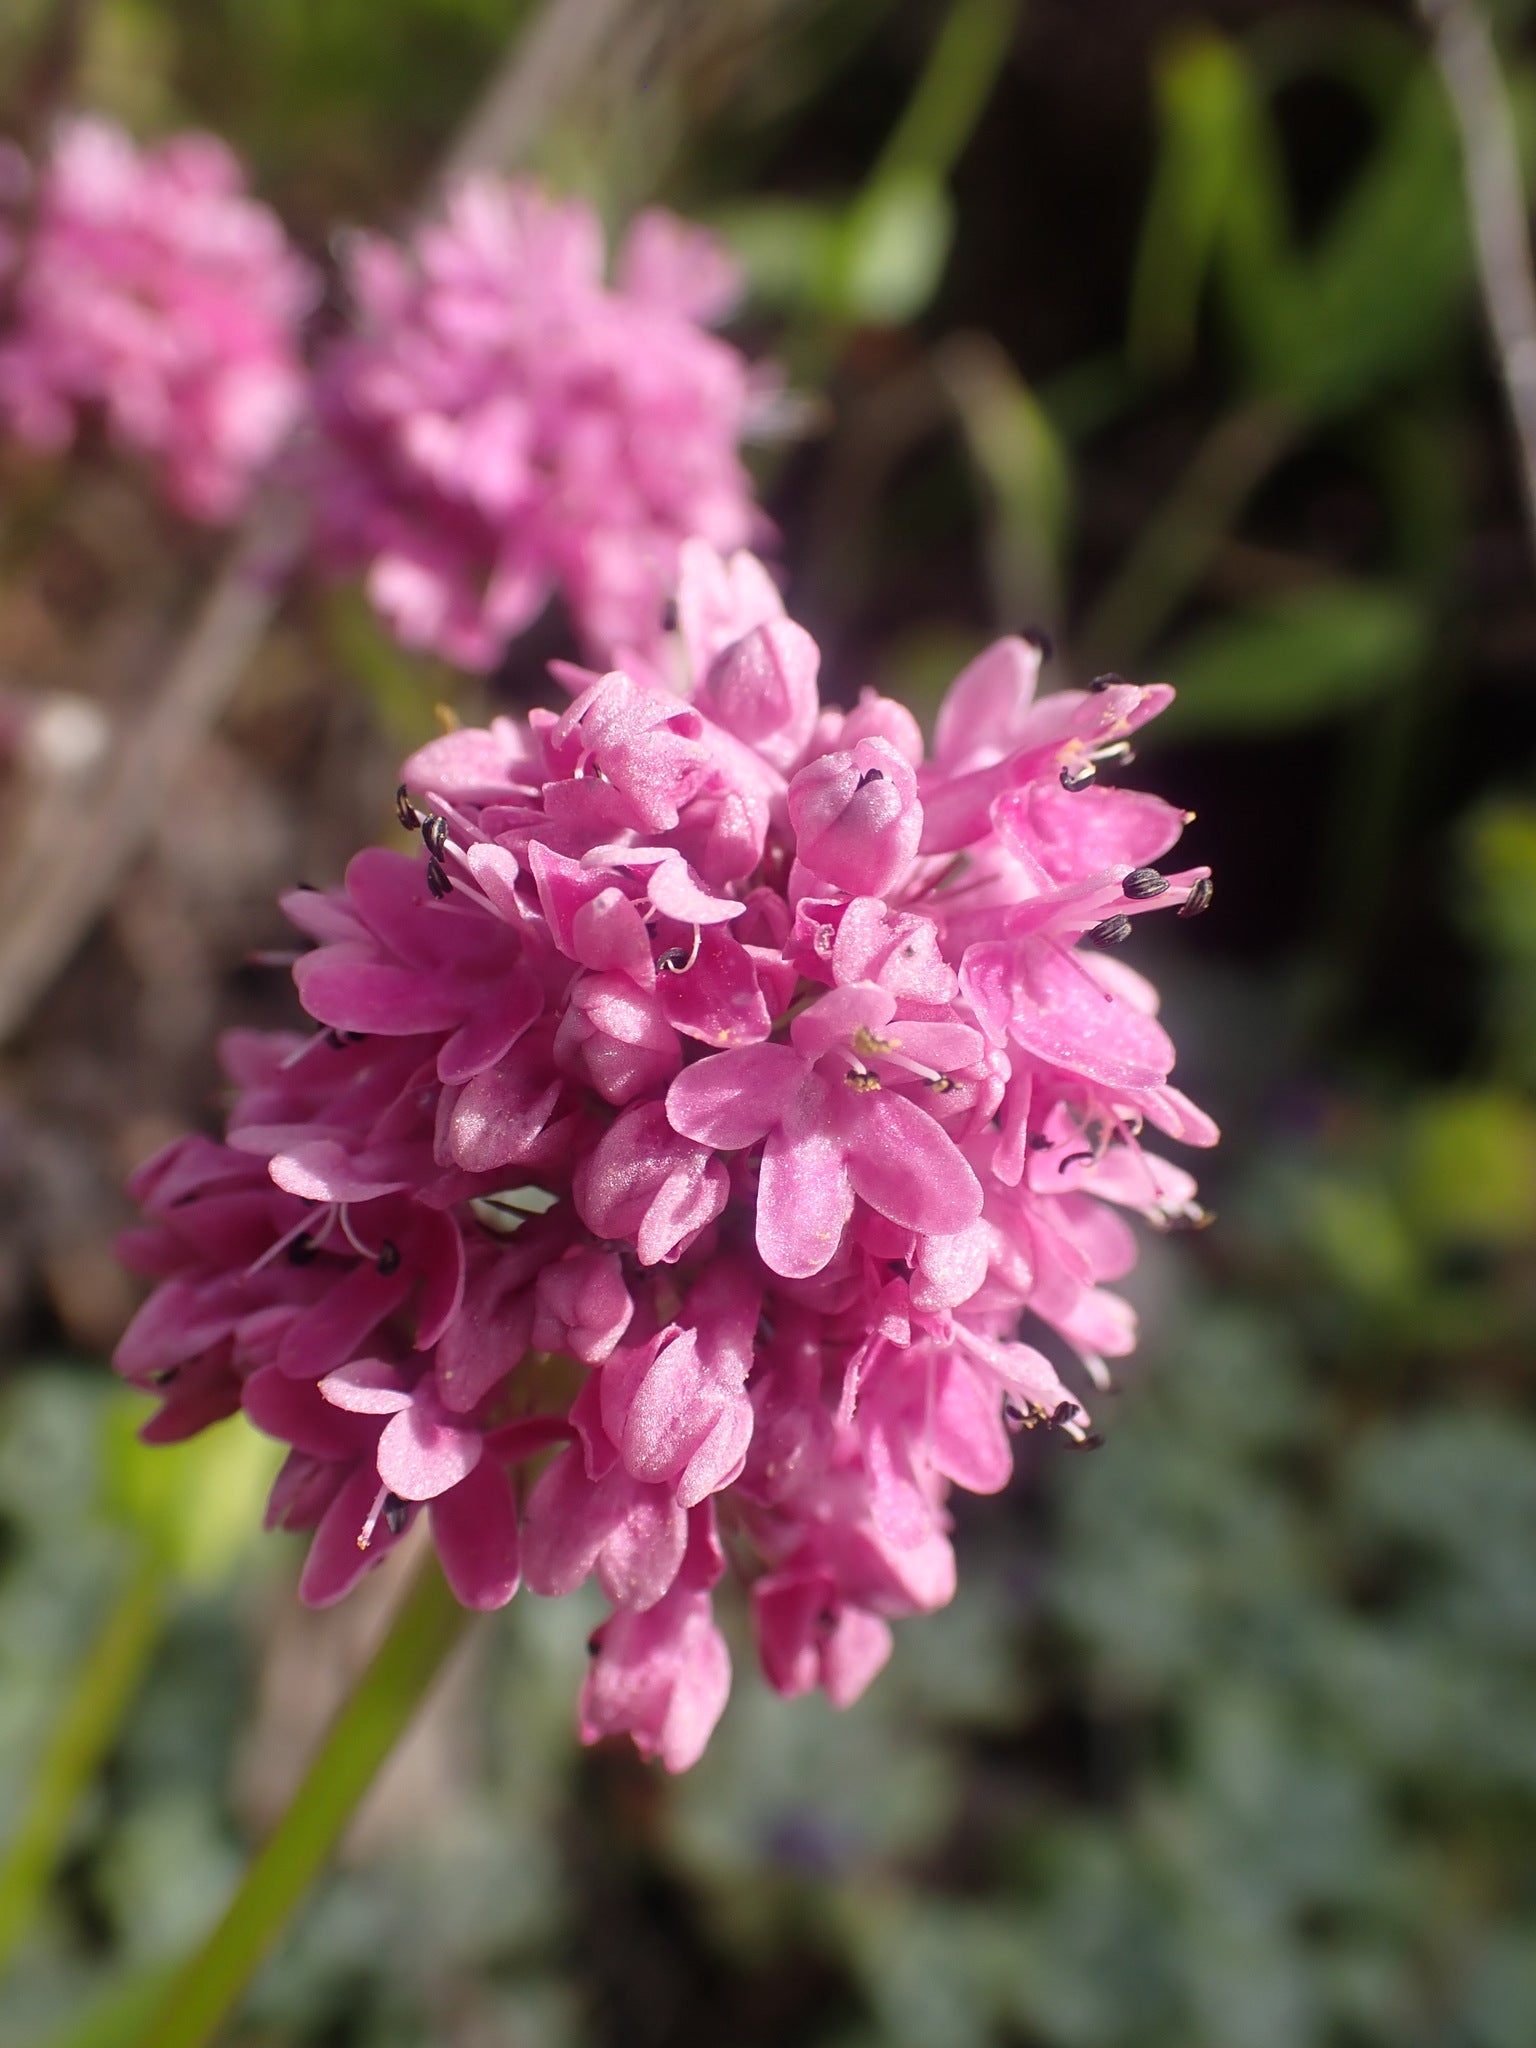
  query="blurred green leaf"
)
[
  {"x": 788, "y": 248},
  {"x": 1308, "y": 655},
  {"x": 957, "y": 79},
  {"x": 1374, "y": 301},
  {"x": 1501, "y": 857},
  {"x": 197, "y": 1504},
  {"x": 1469, "y": 1166},
  {"x": 891, "y": 249},
  {"x": 1017, "y": 453},
  {"x": 1216, "y": 184},
  {"x": 1357, "y": 1231}
]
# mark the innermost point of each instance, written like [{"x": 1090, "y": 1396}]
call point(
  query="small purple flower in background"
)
[
  {"x": 150, "y": 288},
  {"x": 700, "y": 1109},
  {"x": 501, "y": 423}
]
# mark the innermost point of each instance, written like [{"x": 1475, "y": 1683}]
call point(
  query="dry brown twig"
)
[
  {"x": 1474, "y": 82},
  {"x": 66, "y": 866}
]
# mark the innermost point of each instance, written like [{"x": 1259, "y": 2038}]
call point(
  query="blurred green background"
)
[{"x": 1150, "y": 323}]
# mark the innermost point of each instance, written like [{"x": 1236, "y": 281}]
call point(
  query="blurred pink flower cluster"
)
[
  {"x": 497, "y": 424},
  {"x": 501, "y": 423},
  {"x": 699, "y": 1123},
  {"x": 149, "y": 288}
]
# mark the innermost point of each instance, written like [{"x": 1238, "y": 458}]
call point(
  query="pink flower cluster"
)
[
  {"x": 698, "y": 1113},
  {"x": 502, "y": 424},
  {"x": 151, "y": 289}
]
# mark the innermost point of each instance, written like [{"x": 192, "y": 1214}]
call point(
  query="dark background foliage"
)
[{"x": 1150, "y": 324}]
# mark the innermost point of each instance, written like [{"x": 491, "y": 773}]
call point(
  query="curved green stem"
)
[
  {"x": 103, "y": 1691},
  {"x": 429, "y": 1623}
]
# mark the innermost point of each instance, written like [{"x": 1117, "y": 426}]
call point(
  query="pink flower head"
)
[
  {"x": 503, "y": 423},
  {"x": 154, "y": 291},
  {"x": 703, "y": 1106}
]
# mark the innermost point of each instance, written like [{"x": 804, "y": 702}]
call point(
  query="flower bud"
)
[{"x": 857, "y": 817}]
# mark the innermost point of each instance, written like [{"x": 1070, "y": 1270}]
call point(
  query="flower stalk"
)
[
  {"x": 104, "y": 1689},
  {"x": 205, "y": 1991}
]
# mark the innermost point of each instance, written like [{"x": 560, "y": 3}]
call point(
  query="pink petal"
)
[
  {"x": 735, "y": 1098},
  {"x": 903, "y": 1164},
  {"x": 474, "y": 1530},
  {"x": 804, "y": 1201},
  {"x": 421, "y": 1457}
]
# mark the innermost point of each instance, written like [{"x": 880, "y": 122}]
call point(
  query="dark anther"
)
[
  {"x": 1039, "y": 1142},
  {"x": 1078, "y": 775},
  {"x": 302, "y": 1250},
  {"x": 405, "y": 810},
  {"x": 388, "y": 1260},
  {"x": 1037, "y": 636},
  {"x": 434, "y": 832},
  {"x": 308, "y": 888},
  {"x": 1062, "y": 1412},
  {"x": 1199, "y": 898},
  {"x": 1091, "y": 1442},
  {"x": 164, "y": 1377},
  {"x": 669, "y": 616},
  {"x": 1110, "y": 931},
  {"x": 1142, "y": 883},
  {"x": 675, "y": 960},
  {"x": 1107, "y": 682},
  {"x": 437, "y": 880},
  {"x": 396, "y": 1514},
  {"x": 871, "y": 775},
  {"x": 338, "y": 1041},
  {"x": 1015, "y": 1414},
  {"x": 861, "y": 1084},
  {"x": 1074, "y": 1159},
  {"x": 941, "y": 1084},
  {"x": 594, "y": 1642}
]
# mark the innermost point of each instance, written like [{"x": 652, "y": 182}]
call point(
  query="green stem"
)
[
  {"x": 103, "y": 1691},
  {"x": 429, "y": 1623}
]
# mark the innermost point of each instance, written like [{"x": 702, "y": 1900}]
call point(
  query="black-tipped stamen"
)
[
  {"x": 1198, "y": 899},
  {"x": 396, "y": 1514},
  {"x": 388, "y": 1260},
  {"x": 1141, "y": 884},
  {"x": 405, "y": 810},
  {"x": 1038, "y": 638},
  {"x": 434, "y": 833},
  {"x": 302, "y": 1250},
  {"x": 1109, "y": 681},
  {"x": 862, "y": 1084},
  {"x": 678, "y": 959},
  {"x": 871, "y": 775},
  {"x": 438, "y": 883},
  {"x": 1077, "y": 775},
  {"x": 1110, "y": 931}
]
